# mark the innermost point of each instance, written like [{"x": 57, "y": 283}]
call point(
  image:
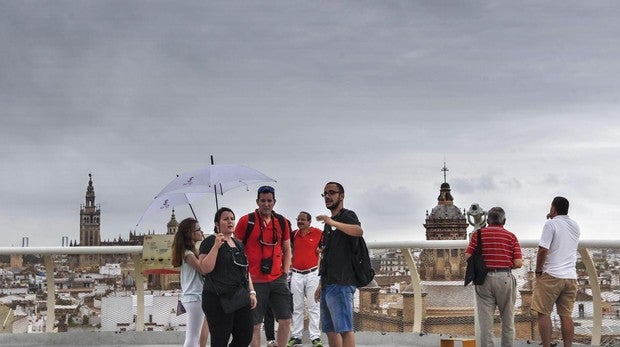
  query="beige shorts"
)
[{"x": 549, "y": 290}]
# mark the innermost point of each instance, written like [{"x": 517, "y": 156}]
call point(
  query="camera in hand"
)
[{"x": 265, "y": 265}]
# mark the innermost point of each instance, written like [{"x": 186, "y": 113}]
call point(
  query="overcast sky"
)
[{"x": 521, "y": 99}]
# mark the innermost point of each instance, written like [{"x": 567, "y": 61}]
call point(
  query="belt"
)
[
  {"x": 506, "y": 269},
  {"x": 303, "y": 272}
]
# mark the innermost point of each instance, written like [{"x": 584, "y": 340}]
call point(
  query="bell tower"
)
[
  {"x": 172, "y": 225},
  {"x": 90, "y": 225}
]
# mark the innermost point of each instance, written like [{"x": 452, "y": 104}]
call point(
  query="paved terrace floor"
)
[{"x": 168, "y": 339}]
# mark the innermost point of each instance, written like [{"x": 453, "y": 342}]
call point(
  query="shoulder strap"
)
[
  {"x": 293, "y": 234},
  {"x": 480, "y": 239},
  {"x": 242, "y": 250},
  {"x": 236, "y": 242},
  {"x": 283, "y": 222},
  {"x": 280, "y": 221},
  {"x": 249, "y": 228}
]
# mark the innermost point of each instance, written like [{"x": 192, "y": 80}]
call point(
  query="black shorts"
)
[{"x": 274, "y": 295}]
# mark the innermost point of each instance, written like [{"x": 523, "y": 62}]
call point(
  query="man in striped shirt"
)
[{"x": 501, "y": 253}]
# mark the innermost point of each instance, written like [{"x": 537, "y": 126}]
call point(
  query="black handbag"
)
[
  {"x": 180, "y": 308},
  {"x": 235, "y": 300},
  {"x": 476, "y": 270}
]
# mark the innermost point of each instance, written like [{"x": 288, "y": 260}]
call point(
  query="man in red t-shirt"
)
[
  {"x": 305, "y": 279},
  {"x": 268, "y": 249},
  {"x": 501, "y": 253}
]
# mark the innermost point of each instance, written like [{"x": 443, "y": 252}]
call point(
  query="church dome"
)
[
  {"x": 445, "y": 208},
  {"x": 446, "y": 212}
]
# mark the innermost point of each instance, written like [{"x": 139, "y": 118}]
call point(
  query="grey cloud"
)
[{"x": 377, "y": 94}]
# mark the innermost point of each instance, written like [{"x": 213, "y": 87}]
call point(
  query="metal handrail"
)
[
  {"x": 72, "y": 250},
  {"x": 430, "y": 244}
]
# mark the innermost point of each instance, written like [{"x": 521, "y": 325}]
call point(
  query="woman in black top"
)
[{"x": 223, "y": 260}]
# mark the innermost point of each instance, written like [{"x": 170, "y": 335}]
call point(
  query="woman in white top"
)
[{"x": 185, "y": 255}]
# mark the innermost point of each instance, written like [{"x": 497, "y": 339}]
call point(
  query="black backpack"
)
[{"x": 364, "y": 273}]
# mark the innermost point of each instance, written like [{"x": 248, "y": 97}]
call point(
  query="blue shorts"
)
[{"x": 337, "y": 308}]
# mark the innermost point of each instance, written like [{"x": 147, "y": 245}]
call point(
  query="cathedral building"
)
[
  {"x": 445, "y": 222},
  {"x": 447, "y": 306}
]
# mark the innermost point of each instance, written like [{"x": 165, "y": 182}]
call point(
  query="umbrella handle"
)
[
  {"x": 215, "y": 190},
  {"x": 191, "y": 208}
]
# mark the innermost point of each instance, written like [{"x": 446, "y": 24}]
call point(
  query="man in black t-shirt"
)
[{"x": 338, "y": 282}]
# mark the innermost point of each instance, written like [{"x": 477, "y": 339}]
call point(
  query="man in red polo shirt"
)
[
  {"x": 268, "y": 249},
  {"x": 305, "y": 279},
  {"x": 501, "y": 253}
]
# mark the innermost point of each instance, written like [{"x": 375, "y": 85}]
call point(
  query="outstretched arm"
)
[{"x": 349, "y": 229}]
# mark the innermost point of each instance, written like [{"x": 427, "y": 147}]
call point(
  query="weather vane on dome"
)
[{"x": 444, "y": 169}]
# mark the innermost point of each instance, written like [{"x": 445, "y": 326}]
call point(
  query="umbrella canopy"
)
[
  {"x": 168, "y": 201},
  {"x": 190, "y": 186},
  {"x": 217, "y": 178}
]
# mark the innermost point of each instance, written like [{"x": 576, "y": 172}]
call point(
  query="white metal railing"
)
[
  {"x": 404, "y": 246},
  {"x": 47, "y": 252}
]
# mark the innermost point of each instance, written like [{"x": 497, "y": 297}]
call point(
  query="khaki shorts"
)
[{"x": 549, "y": 290}]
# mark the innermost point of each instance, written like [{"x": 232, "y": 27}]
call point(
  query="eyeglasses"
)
[
  {"x": 330, "y": 193},
  {"x": 266, "y": 189},
  {"x": 198, "y": 231},
  {"x": 236, "y": 253}
]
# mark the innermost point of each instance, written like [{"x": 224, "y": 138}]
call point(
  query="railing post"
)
[
  {"x": 137, "y": 262},
  {"x": 597, "y": 309},
  {"x": 51, "y": 293},
  {"x": 417, "y": 290}
]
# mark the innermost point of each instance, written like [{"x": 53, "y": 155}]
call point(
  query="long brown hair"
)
[{"x": 183, "y": 241}]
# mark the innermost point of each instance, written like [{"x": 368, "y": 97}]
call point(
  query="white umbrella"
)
[
  {"x": 192, "y": 185},
  {"x": 217, "y": 178},
  {"x": 169, "y": 201}
]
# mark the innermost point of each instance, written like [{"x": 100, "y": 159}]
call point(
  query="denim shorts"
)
[{"x": 337, "y": 308}]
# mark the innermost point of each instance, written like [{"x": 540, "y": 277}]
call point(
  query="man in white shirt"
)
[{"x": 556, "y": 275}]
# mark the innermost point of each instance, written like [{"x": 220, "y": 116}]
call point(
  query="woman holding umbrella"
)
[
  {"x": 228, "y": 294},
  {"x": 184, "y": 254}
]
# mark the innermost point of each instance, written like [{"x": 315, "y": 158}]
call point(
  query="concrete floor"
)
[{"x": 167, "y": 339}]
